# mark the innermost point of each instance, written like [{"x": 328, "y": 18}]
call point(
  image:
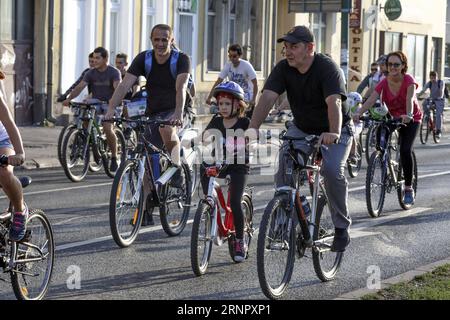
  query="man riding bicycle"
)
[
  {"x": 166, "y": 95},
  {"x": 11, "y": 146},
  {"x": 437, "y": 90},
  {"x": 103, "y": 79},
  {"x": 316, "y": 91}
]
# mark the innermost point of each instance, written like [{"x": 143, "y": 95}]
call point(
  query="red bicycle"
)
[{"x": 213, "y": 222}]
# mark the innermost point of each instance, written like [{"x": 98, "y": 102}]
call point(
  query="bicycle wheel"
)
[
  {"x": 354, "y": 168},
  {"x": 61, "y": 136},
  {"x": 436, "y": 137},
  {"x": 326, "y": 263},
  {"x": 176, "y": 205},
  {"x": 275, "y": 255},
  {"x": 247, "y": 209},
  {"x": 30, "y": 280},
  {"x": 121, "y": 152},
  {"x": 401, "y": 180},
  {"x": 126, "y": 205},
  {"x": 201, "y": 240},
  {"x": 371, "y": 142},
  {"x": 375, "y": 185},
  {"x": 424, "y": 129},
  {"x": 75, "y": 155}
]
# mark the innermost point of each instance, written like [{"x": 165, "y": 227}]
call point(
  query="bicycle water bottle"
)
[
  {"x": 306, "y": 207},
  {"x": 155, "y": 166}
]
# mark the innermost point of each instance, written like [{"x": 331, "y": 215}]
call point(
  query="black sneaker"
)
[
  {"x": 341, "y": 240},
  {"x": 114, "y": 165},
  {"x": 147, "y": 219}
]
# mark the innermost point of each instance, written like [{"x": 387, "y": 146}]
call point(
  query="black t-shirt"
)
[
  {"x": 307, "y": 92},
  {"x": 234, "y": 135},
  {"x": 161, "y": 86}
]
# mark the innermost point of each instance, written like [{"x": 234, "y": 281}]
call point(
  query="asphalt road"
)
[{"x": 158, "y": 267}]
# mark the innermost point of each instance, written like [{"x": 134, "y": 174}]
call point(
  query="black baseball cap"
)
[{"x": 298, "y": 34}]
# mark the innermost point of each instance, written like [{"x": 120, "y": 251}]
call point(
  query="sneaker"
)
[
  {"x": 147, "y": 219},
  {"x": 341, "y": 240},
  {"x": 438, "y": 134},
  {"x": 408, "y": 199},
  {"x": 19, "y": 225},
  {"x": 114, "y": 165},
  {"x": 240, "y": 250},
  {"x": 178, "y": 179},
  {"x": 353, "y": 160}
]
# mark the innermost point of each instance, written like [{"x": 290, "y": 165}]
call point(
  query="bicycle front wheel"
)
[
  {"x": 354, "y": 168},
  {"x": 326, "y": 263},
  {"x": 176, "y": 204},
  {"x": 35, "y": 257},
  {"x": 201, "y": 239},
  {"x": 126, "y": 205},
  {"x": 371, "y": 142},
  {"x": 275, "y": 254},
  {"x": 75, "y": 155},
  {"x": 424, "y": 130},
  {"x": 61, "y": 136},
  {"x": 375, "y": 185}
]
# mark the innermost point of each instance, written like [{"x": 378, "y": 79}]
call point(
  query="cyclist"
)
[
  {"x": 241, "y": 72},
  {"x": 316, "y": 93},
  {"x": 378, "y": 77},
  {"x": 230, "y": 125},
  {"x": 398, "y": 93},
  {"x": 11, "y": 145},
  {"x": 91, "y": 66},
  {"x": 103, "y": 79},
  {"x": 354, "y": 101},
  {"x": 437, "y": 90},
  {"x": 367, "y": 81},
  {"x": 166, "y": 95},
  {"x": 122, "y": 64}
]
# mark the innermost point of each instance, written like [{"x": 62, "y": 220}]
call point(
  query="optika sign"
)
[{"x": 393, "y": 9}]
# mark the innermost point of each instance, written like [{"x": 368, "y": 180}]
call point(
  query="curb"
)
[{"x": 404, "y": 277}]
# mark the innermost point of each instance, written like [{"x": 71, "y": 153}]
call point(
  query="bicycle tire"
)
[
  {"x": 38, "y": 224},
  {"x": 247, "y": 209},
  {"x": 400, "y": 177},
  {"x": 271, "y": 228},
  {"x": 171, "y": 223},
  {"x": 68, "y": 155},
  {"x": 436, "y": 137},
  {"x": 324, "y": 229},
  {"x": 353, "y": 169},
  {"x": 371, "y": 142},
  {"x": 61, "y": 136},
  {"x": 130, "y": 221},
  {"x": 424, "y": 130},
  {"x": 121, "y": 153},
  {"x": 200, "y": 257},
  {"x": 375, "y": 210}
]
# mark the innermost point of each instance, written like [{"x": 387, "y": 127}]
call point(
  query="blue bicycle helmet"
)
[{"x": 229, "y": 87}]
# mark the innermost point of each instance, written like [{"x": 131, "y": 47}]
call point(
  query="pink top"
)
[{"x": 397, "y": 103}]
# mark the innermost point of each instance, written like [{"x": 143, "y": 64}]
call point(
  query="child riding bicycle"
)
[
  {"x": 354, "y": 101},
  {"x": 229, "y": 126}
]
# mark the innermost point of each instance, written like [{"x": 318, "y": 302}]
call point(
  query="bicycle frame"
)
[{"x": 385, "y": 147}]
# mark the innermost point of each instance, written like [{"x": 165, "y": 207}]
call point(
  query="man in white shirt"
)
[{"x": 239, "y": 71}]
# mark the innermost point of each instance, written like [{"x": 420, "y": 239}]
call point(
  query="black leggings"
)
[
  {"x": 238, "y": 181},
  {"x": 407, "y": 136}
]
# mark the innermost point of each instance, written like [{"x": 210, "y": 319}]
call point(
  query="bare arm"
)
[
  {"x": 255, "y": 90},
  {"x": 181, "y": 87},
  {"x": 218, "y": 81},
  {"x": 262, "y": 109},
  {"x": 410, "y": 97},
  {"x": 76, "y": 92},
  {"x": 11, "y": 128},
  {"x": 369, "y": 103},
  {"x": 121, "y": 90}
]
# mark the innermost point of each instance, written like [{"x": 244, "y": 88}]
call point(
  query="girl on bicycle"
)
[
  {"x": 229, "y": 126},
  {"x": 11, "y": 145},
  {"x": 398, "y": 93}
]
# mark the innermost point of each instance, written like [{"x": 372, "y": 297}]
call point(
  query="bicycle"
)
[
  {"x": 154, "y": 166},
  {"x": 287, "y": 231},
  {"x": 212, "y": 225},
  {"x": 429, "y": 123},
  {"x": 30, "y": 261},
  {"x": 354, "y": 163},
  {"x": 88, "y": 135},
  {"x": 385, "y": 172}
]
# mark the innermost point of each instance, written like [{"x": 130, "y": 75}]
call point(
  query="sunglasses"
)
[
  {"x": 374, "y": 70},
  {"x": 233, "y": 56},
  {"x": 394, "y": 65}
]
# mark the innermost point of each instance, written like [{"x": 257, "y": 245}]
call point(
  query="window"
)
[
  {"x": 416, "y": 57},
  {"x": 150, "y": 20},
  {"x": 392, "y": 41},
  {"x": 319, "y": 27},
  {"x": 6, "y": 20},
  {"x": 436, "y": 55},
  {"x": 114, "y": 28},
  {"x": 16, "y": 19},
  {"x": 234, "y": 21}
]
